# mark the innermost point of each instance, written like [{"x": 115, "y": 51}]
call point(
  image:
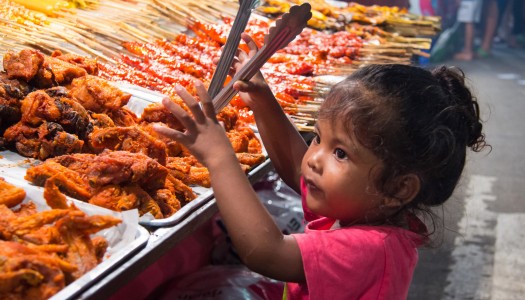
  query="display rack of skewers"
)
[{"x": 200, "y": 28}]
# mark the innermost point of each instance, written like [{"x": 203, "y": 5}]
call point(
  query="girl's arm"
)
[
  {"x": 285, "y": 145},
  {"x": 258, "y": 240}
]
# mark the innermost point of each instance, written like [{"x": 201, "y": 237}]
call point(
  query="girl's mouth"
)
[{"x": 312, "y": 187}]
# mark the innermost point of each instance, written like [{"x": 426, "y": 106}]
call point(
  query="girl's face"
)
[{"x": 338, "y": 174}]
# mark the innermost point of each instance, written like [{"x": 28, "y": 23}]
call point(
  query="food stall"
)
[{"x": 82, "y": 84}]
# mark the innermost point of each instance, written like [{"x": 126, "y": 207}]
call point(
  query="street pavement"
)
[{"x": 480, "y": 253}]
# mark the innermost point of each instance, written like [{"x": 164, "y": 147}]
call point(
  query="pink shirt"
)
[{"x": 357, "y": 262}]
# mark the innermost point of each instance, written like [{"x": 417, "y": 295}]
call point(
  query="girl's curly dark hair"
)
[{"x": 417, "y": 121}]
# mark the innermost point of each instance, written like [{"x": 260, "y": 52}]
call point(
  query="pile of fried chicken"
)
[
  {"x": 56, "y": 109},
  {"x": 42, "y": 252}
]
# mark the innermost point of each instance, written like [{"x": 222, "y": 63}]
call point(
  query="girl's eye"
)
[
  {"x": 340, "y": 153},
  {"x": 316, "y": 139}
]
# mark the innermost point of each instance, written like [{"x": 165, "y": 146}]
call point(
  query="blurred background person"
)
[{"x": 469, "y": 13}]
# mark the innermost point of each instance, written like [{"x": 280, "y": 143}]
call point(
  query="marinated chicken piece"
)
[
  {"x": 70, "y": 182},
  {"x": 116, "y": 167},
  {"x": 55, "y": 105},
  {"x": 167, "y": 201},
  {"x": 38, "y": 107},
  {"x": 13, "y": 88},
  {"x": 101, "y": 120},
  {"x": 183, "y": 192},
  {"x": 131, "y": 139},
  {"x": 228, "y": 116},
  {"x": 10, "y": 195},
  {"x": 27, "y": 273},
  {"x": 178, "y": 167},
  {"x": 250, "y": 159},
  {"x": 96, "y": 94},
  {"x": 172, "y": 147},
  {"x": 101, "y": 245},
  {"x": 123, "y": 117},
  {"x": 239, "y": 141},
  {"x": 158, "y": 113},
  {"x": 23, "y": 65},
  {"x": 189, "y": 170},
  {"x": 9, "y": 113},
  {"x": 12, "y": 91},
  {"x": 254, "y": 144},
  {"x": 49, "y": 139},
  {"x": 118, "y": 198},
  {"x": 198, "y": 176},
  {"x": 55, "y": 72},
  {"x": 48, "y": 250},
  {"x": 75, "y": 231},
  {"x": 54, "y": 198},
  {"x": 78, "y": 162},
  {"x": 86, "y": 63}
]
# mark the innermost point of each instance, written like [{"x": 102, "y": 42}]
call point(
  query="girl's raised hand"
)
[
  {"x": 255, "y": 91},
  {"x": 204, "y": 136}
]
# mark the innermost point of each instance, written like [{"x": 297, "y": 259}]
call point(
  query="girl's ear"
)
[{"x": 407, "y": 189}]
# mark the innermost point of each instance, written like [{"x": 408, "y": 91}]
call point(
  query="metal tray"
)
[
  {"x": 119, "y": 248},
  {"x": 204, "y": 196}
]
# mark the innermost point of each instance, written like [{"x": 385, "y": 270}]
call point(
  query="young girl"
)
[{"x": 390, "y": 140}]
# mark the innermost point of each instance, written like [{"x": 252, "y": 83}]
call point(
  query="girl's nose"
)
[{"x": 314, "y": 161}]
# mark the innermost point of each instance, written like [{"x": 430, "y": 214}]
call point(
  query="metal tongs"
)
[
  {"x": 232, "y": 43},
  {"x": 285, "y": 30}
]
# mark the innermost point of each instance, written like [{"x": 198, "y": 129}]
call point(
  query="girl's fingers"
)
[
  {"x": 206, "y": 101},
  {"x": 252, "y": 45},
  {"x": 192, "y": 104},
  {"x": 179, "y": 113},
  {"x": 171, "y": 133}
]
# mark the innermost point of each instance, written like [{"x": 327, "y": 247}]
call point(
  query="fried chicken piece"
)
[
  {"x": 167, "y": 201},
  {"x": 239, "y": 141},
  {"x": 178, "y": 167},
  {"x": 38, "y": 107},
  {"x": 12, "y": 91},
  {"x": 86, "y": 63},
  {"x": 118, "y": 198},
  {"x": 101, "y": 120},
  {"x": 179, "y": 189},
  {"x": 131, "y": 139},
  {"x": 10, "y": 195},
  {"x": 101, "y": 245},
  {"x": 96, "y": 94},
  {"x": 23, "y": 65},
  {"x": 69, "y": 181},
  {"x": 254, "y": 144},
  {"x": 189, "y": 170},
  {"x": 250, "y": 159},
  {"x": 30, "y": 274},
  {"x": 123, "y": 167},
  {"x": 54, "y": 105},
  {"x": 49, "y": 139},
  {"x": 228, "y": 116},
  {"x": 13, "y": 88},
  {"x": 9, "y": 113},
  {"x": 123, "y": 117},
  {"x": 158, "y": 113},
  {"x": 172, "y": 147},
  {"x": 198, "y": 176},
  {"x": 55, "y": 72},
  {"x": 54, "y": 198}
]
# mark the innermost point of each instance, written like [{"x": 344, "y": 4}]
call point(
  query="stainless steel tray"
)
[
  {"x": 78, "y": 286},
  {"x": 124, "y": 239},
  {"x": 204, "y": 196}
]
